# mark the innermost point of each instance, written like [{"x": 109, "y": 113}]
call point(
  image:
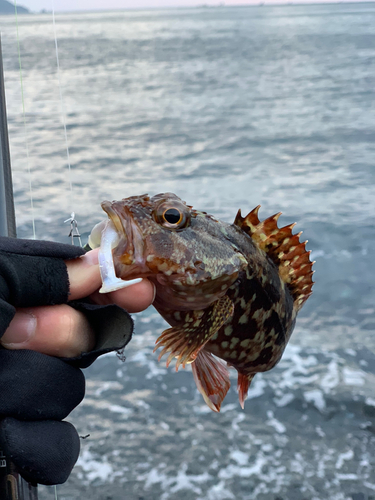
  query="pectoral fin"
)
[{"x": 185, "y": 341}]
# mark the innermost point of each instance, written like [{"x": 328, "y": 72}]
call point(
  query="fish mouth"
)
[
  {"x": 129, "y": 253},
  {"x": 110, "y": 282}
]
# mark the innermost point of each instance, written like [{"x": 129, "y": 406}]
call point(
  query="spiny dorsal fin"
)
[{"x": 285, "y": 249}]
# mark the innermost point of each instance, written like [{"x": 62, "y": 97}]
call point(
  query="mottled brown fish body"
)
[
  {"x": 231, "y": 290},
  {"x": 255, "y": 338}
]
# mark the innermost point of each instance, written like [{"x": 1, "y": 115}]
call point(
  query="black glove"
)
[{"x": 38, "y": 391}]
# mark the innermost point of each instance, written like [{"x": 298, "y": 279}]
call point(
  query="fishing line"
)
[
  {"x": 63, "y": 117},
  {"x": 73, "y": 223},
  {"x": 74, "y": 233},
  {"x": 25, "y": 126},
  {"x": 63, "y": 113}
]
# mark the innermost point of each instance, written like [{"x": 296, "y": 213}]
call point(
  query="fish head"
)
[{"x": 185, "y": 252}]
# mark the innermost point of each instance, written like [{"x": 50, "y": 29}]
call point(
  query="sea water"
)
[{"x": 228, "y": 108}]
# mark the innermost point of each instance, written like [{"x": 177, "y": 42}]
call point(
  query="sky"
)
[{"x": 70, "y": 5}]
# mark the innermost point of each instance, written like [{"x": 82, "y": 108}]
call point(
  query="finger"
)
[
  {"x": 54, "y": 330},
  {"x": 134, "y": 299},
  {"x": 85, "y": 280},
  {"x": 44, "y": 452},
  {"x": 84, "y": 275}
]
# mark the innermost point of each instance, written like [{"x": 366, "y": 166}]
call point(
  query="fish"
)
[{"x": 230, "y": 292}]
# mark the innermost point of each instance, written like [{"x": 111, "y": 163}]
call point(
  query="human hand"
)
[
  {"x": 73, "y": 334},
  {"x": 39, "y": 391}
]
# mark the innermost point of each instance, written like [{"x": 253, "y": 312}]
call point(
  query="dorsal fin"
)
[{"x": 285, "y": 249}]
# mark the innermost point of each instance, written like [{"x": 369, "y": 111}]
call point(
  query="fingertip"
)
[
  {"x": 135, "y": 298},
  {"x": 20, "y": 331}
]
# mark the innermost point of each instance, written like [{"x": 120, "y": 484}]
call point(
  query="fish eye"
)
[{"x": 173, "y": 216}]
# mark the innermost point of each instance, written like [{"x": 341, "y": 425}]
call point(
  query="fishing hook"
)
[{"x": 74, "y": 232}]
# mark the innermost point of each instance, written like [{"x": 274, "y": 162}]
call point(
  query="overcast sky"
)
[{"x": 66, "y": 5}]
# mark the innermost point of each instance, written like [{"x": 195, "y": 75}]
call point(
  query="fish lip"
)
[
  {"x": 138, "y": 244},
  {"x": 114, "y": 216},
  {"x": 130, "y": 243}
]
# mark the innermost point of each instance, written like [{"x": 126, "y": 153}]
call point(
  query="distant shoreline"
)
[{"x": 7, "y": 8}]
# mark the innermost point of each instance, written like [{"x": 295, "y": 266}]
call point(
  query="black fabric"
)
[
  {"x": 43, "y": 452},
  {"x": 34, "y": 386},
  {"x": 39, "y": 248},
  {"x": 29, "y": 279},
  {"x": 38, "y": 391},
  {"x": 113, "y": 329}
]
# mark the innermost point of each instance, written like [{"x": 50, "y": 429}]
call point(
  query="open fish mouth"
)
[{"x": 105, "y": 235}]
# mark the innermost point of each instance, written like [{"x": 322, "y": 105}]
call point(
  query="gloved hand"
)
[{"x": 38, "y": 391}]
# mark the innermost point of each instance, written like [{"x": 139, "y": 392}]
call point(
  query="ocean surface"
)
[{"x": 228, "y": 108}]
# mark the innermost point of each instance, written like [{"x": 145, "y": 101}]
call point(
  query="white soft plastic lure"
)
[{"x": 104, "y": 235}]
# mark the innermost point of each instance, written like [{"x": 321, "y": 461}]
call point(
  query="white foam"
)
[
  {"x": 347, "y": 477},
  {"x": 102, "y": 404},
  {"x": 297, "y": 368},
  {"x": 202, "y": 409},
  {"x": 284, "y": 400},
  {"x": 95, "y": 469},
  {"x": 179, "y": 482},
  {"x": 140, "y": 357},
  {"x": 332, "y": 377},
  {"x": 144, "y": 359},
  {"x": 239, "y": 471},
  {"x": 240, "y": 417},
  {"x": 316, "y": 397},
  {"x": 343, "y": 457},
  {"x": 106, "y": 386},
  {"x": 320, "y": 431},
  {"x": 273, "y": 422},
  {"x": 218, "y": 492},
  {"x": 297, "y": 464},
  {"x": 353, "y": 377},
  {"x": 257, "y": 387},
  {"x": 228, "y": 407},
  {"x": 239, "y": 456},
  {"x": 186, "y": 482},
  {"x": 155, "y": 369},
  {"x": 119, "y": 409}
]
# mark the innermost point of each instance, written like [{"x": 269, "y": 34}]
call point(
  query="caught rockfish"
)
[{"x": 231, "y": 292}]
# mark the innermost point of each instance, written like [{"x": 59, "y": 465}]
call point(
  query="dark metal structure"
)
[
  {"x": 12, "y": 485},
  {"x": 7, "y": 217}
]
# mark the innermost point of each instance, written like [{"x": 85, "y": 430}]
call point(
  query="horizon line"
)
[{"x": 220, "y": 5}]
